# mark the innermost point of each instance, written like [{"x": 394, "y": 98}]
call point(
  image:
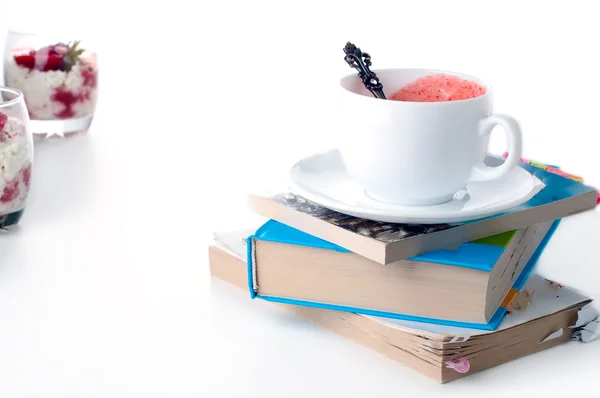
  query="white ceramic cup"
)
[{"x": 419, "y": 153}]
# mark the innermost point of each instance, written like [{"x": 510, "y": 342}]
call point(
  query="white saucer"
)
[{"x": 323, "y": 179}]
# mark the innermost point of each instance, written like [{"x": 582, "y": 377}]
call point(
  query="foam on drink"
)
[{"x": 439, "y": 88}]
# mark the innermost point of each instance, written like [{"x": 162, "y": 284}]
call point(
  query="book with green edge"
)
[
  {"x": 502, "y": 239},
  {"x": 468, "y": 287}
]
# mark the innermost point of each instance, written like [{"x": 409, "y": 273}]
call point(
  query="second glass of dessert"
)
[
  {"x": 59, "y": 80},
  {"x": 16, "y": 156}
]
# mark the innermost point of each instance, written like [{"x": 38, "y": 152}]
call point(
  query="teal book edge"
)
[
  {"x": 468, "y": 252},
  {"x": 557, "y": 188}
]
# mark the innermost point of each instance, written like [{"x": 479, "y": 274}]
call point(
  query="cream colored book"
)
[
  {"x": 467, "y": 287},
  {"x": 543, "y": 315}
]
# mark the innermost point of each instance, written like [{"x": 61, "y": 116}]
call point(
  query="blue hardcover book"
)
[{"x": 470, "y": 287}]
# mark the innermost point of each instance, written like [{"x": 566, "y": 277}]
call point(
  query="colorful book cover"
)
[
  {"x": 481, "y": 255},
  {"x": 555, "y": 170}
]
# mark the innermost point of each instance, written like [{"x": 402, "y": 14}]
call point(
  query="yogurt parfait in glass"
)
[
  {"x": 59, "y": 80},
  {"x": 16, "y": 156}
]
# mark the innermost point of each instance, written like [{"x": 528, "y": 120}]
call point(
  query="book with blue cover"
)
[
  {"x": 468, "y": 287},
  {"x": 385, "y": 243}
]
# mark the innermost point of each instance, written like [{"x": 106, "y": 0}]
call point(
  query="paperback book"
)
[{"x": 468, "y": 287}]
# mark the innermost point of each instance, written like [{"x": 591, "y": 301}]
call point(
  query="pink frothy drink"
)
[{"x": 438, "y": 88}]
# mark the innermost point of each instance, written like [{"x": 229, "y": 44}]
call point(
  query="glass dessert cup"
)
[
  {"x": 59, "y": 80},
  {"x": 16, "y": 156}
]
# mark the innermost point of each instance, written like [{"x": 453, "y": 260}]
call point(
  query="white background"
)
[{"x": 104, "y": 287}]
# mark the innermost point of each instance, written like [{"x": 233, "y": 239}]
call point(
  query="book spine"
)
[{"x": 251, "y": 259}]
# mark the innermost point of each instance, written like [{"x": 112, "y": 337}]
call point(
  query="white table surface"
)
[
  {"x": 100, "y": 296},
  {"x": 104, "y": 286}
]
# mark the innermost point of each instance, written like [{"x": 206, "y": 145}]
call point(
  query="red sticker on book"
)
[{"x": 460, "y": 364}]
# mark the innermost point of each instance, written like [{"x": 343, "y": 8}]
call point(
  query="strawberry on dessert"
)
[
  {"x": 56, "y": 57},
  {"x": 58, "y": 81},
  {"x": 438, "y": 88}
]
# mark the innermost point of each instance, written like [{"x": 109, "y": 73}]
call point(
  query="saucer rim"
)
[{"x": 395, "y": 214}]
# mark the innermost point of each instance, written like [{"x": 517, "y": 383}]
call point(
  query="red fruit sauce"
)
[
  {"x": 68, "y": 99},
  {"x": 26, "y": 176},
  {"x": 3, "y": 120},
  {"x": 90, "y": 77},
  {"x": 11, "y": 191},
  {"x": 439, "y": 88}
]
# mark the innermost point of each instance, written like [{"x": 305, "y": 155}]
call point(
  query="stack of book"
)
[{"x": 447, "y": 300}]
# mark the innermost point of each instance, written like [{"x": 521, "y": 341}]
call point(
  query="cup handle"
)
[{"x": 481, "y": 172}]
